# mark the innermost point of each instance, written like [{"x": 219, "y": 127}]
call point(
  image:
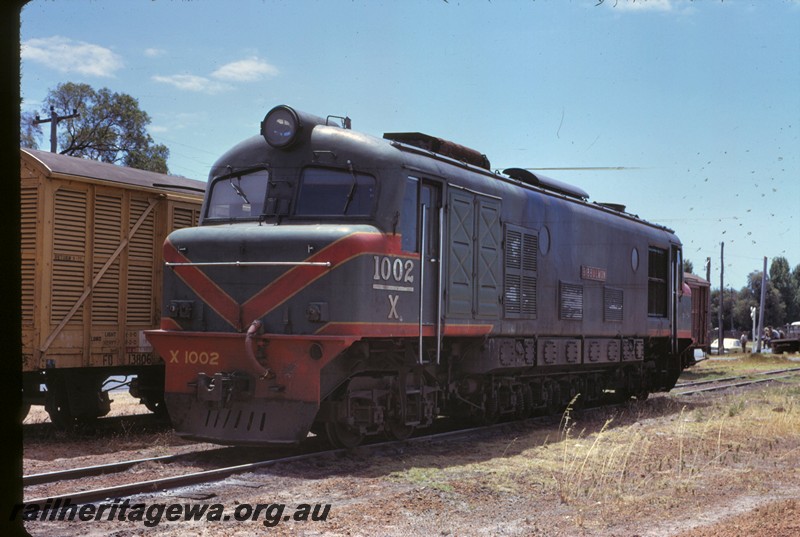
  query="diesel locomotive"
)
[{"x": 349, "y": 285}]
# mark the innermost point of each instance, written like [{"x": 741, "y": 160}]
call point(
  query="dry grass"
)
[
  {"x": 651, "y": 457},
  {"x": 737, "y": 364}
]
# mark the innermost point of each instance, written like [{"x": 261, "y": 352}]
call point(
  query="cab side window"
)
[{"x": 408, "y": 218}]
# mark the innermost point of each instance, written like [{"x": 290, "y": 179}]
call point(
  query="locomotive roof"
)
[
  {"x": 529, "y": 180},
  {"x": 80, "y": 167}
]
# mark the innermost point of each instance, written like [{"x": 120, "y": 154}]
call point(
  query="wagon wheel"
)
[
  {"x": 57, "y": 405},
  {"x": 342, "y": 436},
  {"x": 156, "y": 405},
  {"x": 23, "y": 411}
]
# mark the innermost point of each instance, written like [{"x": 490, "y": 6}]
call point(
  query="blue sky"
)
[{"x": 698, "y": 100}]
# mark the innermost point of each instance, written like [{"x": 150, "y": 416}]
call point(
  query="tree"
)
[
  {"x": 111, "y": 127},
  {"x": 29, "y": 131},
  {"x": 793, "y": 305},
  {"x": 774, "y": 307},
  {"x": 787, "y": 285}
]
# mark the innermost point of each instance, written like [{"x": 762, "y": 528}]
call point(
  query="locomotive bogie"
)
[{"x": 380, "y": 284}]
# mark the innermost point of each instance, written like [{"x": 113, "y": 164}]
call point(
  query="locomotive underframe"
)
[{"x": 380, "y": 387}]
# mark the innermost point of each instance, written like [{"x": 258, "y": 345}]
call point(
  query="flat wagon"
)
[{"x": 91, "y": 236}]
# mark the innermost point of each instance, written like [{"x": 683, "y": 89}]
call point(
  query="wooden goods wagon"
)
[{"x": 91, "y": 247}]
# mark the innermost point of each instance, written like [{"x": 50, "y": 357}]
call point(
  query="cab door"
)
[
  {"x": 421, "y": 233},
  {"x": 430, "y": 205}
]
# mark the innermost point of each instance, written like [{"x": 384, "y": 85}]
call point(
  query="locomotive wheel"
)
[
  {"x": 341, "y": 436},
  {"x": 491, "y": 412},
  {"x": 577, "y": 394},
  {"x": 525, "y": 406},
  {"x": 398, "y": 431},
  {"x": 553, "y": 404}
]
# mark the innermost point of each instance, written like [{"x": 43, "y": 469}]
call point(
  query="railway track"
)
[
  {"x": 103, "y": 469},
  {"x": 738, "y": 381},
  {"x": 176, "y": 481},
  {"x": 82, "y": 478},
  {"x": 315, "y": 450}
]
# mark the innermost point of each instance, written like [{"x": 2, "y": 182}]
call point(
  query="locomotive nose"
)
[{"x": 216, "y": 282}]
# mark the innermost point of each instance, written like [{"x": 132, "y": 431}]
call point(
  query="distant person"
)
[{"x": 743, "y": 340}]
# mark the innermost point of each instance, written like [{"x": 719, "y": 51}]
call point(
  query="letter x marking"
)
[{"x": 393, "y": 306}]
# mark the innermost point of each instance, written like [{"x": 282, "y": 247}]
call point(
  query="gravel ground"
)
[{"x": 717, "y": 465}]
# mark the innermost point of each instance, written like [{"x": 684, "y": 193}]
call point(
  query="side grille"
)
[
  {"x": 184, "y": 217},
  {"x": 612, "y": 305},
  {"x": 571, "y": 301},
  {"x": 29, "y": 208},
  {"x": 140, "y": 266},
  {"x": 521, "y": 263},
  {"x": 69, "y": 253},
  {"x": 107, "y": 237}
]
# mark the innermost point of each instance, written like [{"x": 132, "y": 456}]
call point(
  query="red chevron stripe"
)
[
  {"x": 203, "y": 286},
  {"x": 285, "y": 286},
  {"x": 369, "y": 329},
  {"x": 294, "y": 280}
]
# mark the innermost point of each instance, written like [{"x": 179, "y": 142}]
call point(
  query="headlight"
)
[{"x": 280, "y": 126}]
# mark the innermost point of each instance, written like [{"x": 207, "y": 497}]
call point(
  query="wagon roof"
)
[{"x": 81, "y": 167}]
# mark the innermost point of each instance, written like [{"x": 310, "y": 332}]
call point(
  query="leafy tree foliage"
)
[
  {"x": 111, "y": 127},
  {"x": 781, "y": 304},
  {"x": 688, "y": 266},
  {"x": 29, "y": 131}
]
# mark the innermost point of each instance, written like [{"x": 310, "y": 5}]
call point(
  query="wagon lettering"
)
[{"x": 140, "y": 358}]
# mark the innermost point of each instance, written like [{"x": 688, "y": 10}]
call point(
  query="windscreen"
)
[
  {"x": 238, "y": 197},
  {"x": 328, "y": 192}
]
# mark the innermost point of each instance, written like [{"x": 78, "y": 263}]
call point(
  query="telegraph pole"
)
[
  {"x": 721, "y": 338},
  {"x": 54, "y": 119},
  {"x": 761, "y": 304},
  {"x": 707, "y": 322}
]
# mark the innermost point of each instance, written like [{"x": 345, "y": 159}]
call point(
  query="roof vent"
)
[
  {"x": 442, "y": 147},
  {"x": 613, "y": 206},
  {"x": 547, "y": 183}
]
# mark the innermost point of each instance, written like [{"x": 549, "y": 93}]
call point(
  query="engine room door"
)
[{"x": 474, "y": 243}]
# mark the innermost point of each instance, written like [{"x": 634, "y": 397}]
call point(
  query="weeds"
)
[{"x": 619, "y": 463}]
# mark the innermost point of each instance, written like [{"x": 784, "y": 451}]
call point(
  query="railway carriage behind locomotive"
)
[{"x": 350, "y": 285}]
